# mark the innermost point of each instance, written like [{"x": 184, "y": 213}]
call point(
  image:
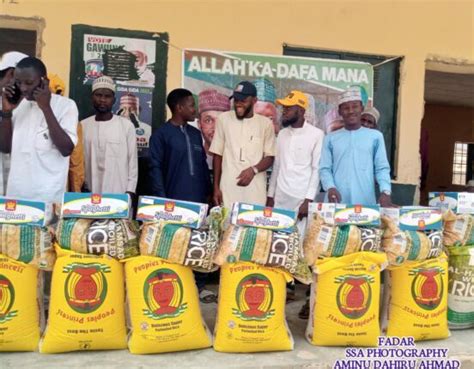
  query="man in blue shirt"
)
[
  {"x": 178, "y": 166},
  {"x": 354, "y": 157}
]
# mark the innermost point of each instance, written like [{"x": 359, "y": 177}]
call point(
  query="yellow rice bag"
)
[
  {"x": 28, "y": 244},
  {"x": 164, "y": 307},
  {"x": 458, "y": 229},
  {"x": 20, "y": 301},
  {"x": 87, "y": 309},
  {"x": 251, "y": 309},
  {"x": 416, "y": 299},
  {"x": 345, "y": 300},
  {"x": 402, "y": 246}
]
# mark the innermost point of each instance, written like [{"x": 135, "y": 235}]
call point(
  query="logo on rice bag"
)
[
  {"x": 7, "y": 298},
  {"x": 254, "y": 297},
  {"x": 427, "y": 287},
  {"x": 354, "y": 295},
  {"x": 163, "y": 293},
  {"x": 86, "y": 286}
]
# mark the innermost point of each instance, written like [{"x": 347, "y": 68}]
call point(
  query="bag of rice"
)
[
  {"x": 402, "y": 246},
  {"x": 28, "y": 244},
  {"x": 251, "y": 309},
  {"x": 345, "y": 300},
  {"x": 182, "y": 245},
  {"x": 326, "y": 240},
  {"x": 416, "y": 299},
  {"x": 264, "y": 247},
  {"x": 20, "y": 306},
  {"x": 458, "y": 229},
  {"x": 117, "y": 238},
  {"x": 461, "y": 287},
  {"x": 164, "y": 307},
  {"x": 87, "y": 310}
]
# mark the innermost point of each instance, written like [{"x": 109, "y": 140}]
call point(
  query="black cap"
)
[{"x": 244, "y": 89}]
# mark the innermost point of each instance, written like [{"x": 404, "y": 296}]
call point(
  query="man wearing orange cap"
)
[{"x": 295, "y": 178}]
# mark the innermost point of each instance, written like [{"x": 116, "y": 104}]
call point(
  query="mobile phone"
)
[{"x": 16, "y": 95}]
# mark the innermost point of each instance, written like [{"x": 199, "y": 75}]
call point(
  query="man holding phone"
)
[
  {"x": 39, "y": 130},
  {"x": 7, "y": 75}
]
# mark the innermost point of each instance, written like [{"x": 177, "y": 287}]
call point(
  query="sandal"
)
[
  {"x": 304, "y": 312},
  {"x": 207, "y": 297}
]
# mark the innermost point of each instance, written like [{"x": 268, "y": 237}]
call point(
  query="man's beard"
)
[
  {"x": 102, "y": 110},
  {"x": 288, "y": 122},
  {"x": 246, "y": 112}
]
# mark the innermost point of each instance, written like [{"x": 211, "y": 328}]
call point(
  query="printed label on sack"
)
[{"x": 254, "y": 298}]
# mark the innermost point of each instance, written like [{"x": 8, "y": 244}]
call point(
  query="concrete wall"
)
[{"x": 412, "y": 29}]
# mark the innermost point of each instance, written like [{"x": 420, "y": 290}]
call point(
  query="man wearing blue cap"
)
[{"x": 243, "y": 148}]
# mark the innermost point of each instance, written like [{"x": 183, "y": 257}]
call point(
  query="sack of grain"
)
[
  {"x": 29, "y": 244},
  {"x": 264, "y": 247},
  {"x": 117, "y": 238}
]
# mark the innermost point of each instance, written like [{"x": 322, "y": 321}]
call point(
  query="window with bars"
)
[{"x": 460, "y": 163}]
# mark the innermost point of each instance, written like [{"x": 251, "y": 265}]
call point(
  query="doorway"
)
[{"x": 447, "y": 128}]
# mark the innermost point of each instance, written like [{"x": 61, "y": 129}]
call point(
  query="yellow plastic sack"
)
[
  {"x": 19, "y": 306},
  {"x": 164, "y": 307},
  {"x": 416, "y": 300},
  {"x": 87, "y": 307},
  {"x": 345, "y": 300},
  {"x": 28, "y": 244},
  {"x": 251, "y": 309}
]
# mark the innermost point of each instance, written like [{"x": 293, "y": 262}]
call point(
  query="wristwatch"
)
[
  {"x": 255, "y": 169},
  {"x": 388, "y": 193}
]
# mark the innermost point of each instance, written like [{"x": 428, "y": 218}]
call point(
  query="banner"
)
[
  {"x": 135, "y": 60},
  {"x": 274, "y": 76}
]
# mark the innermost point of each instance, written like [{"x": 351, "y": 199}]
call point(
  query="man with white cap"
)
[
  {"x": 370, "y": 117},
  {"x": 40, "y": 131},
  {"x": 354, "y": 157},
  {"x": 110, "y": 145},
  {"x": 7, "y": 68}
]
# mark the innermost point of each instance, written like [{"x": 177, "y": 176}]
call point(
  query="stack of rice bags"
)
[
  {"x": 25, "y": 251},
  {"x": 87, "y": 310},
  {"x": 415, "y": 296},
  {"x": 163, "y": 300},
  {"x": 342, "y": 244},
  {"x": 260, "y": 252}
]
